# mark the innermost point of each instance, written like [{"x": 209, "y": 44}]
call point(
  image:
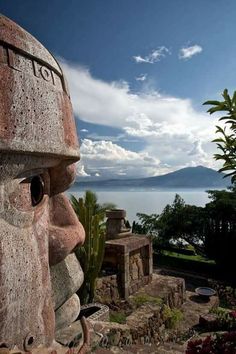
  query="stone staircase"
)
[
  {"x": 170, "y": 348},
  {"x": 144, "y": 349}
]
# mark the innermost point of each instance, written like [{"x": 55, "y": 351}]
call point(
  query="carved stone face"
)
[
  {"x": 37, "y": 224},
  {"x": 38, "y": 146}
]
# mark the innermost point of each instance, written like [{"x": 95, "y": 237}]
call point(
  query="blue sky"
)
[{"x": 138, "y": 72}]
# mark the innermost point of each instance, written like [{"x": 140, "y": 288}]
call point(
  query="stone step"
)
[{"x": 171, "y": 348}]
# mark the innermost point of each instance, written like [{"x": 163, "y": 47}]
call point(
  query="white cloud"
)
[
  {"x": 169, "y": 126},
  {"x": 141, "y": 77},
  {"x": 95, "y": 136},
  {"x": 188, "y": 52},
  {"x": 153, "y": 57},
  {"x": 112, "y": 160},
  {"x": 197, "y": 149},
  {"x": 84, "y": 130},
  {"x": 80, "y": 169}
]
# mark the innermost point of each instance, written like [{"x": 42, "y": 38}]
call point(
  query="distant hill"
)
[{"x": 189, "y": 177}]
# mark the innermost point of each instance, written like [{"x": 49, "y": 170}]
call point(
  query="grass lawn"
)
[
  {"x": 196, "y": 258},
  {"x": 189, "y": 263}
]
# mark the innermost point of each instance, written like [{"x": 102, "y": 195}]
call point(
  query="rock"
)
[
  {"x": 209, "y": 321},
  {"x": 68, "y": 312},
  {"x": 70, "y": 336},
  {"x": 66, "y": 278}
]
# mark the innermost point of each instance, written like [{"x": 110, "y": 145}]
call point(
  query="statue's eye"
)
[{"x": 37, "y": 190}]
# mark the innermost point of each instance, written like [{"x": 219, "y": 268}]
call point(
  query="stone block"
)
[
  {"x": 209, "y": 321},
  {"x": 68, "y": 312},
  {"x": 66, "y": 277}
]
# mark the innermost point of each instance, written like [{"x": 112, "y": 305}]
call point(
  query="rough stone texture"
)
[
  {"x": 95, "y": 312},
  {"x": 194, "y": 307},
  {"x": 115, "y": 224},
  {"x": 107, "y": 289},
  {"x": 66, "y": 277},
  {"x": 38, "y": 144},
  {"x": 68, "y": 312},
  {"x": 209, "y": 321},
  {"x": 132, "y": 258},
  {"x": 146, "y": 324},
  {"x": 33, "y": 91},
  {"x": 170, "y": 289},
  {"x": 70, "y": 335}
]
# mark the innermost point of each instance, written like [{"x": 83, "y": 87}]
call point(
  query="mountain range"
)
[{"x": 189, "y": 177}]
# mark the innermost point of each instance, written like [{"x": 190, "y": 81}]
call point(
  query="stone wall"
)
[
  {"x": 145, "y": 325},
  {"x": 107, "y": 289},
  {"x": 131, "y": 257}
]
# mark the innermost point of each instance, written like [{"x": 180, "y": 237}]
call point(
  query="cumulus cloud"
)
[
  {"x": 112, "y": 160},
  {"x": 141, "y": 77},
  {"x": 168, "y": 126},
  {"x": 197, "y": 149},
  {"x": 84, "y": 130},
  {"x": 188, "y": 52},
  {"x": 80, "y": 169},
  {"x": 153, "y": 57}
]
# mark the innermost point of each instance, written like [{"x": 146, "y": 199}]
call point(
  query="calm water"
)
[{"x": 146, "y": 201}]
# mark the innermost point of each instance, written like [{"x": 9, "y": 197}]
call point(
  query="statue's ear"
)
[{"x": 61, "y": 177}]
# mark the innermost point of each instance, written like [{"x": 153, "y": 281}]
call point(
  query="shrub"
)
[
  {"x": 118, "y": 317},
  {"x": 227, "y": 294},
  {"x": 171, "y": 316},
  {"x": 226, "y": 319},
  {"x": 142, "y": 299}
]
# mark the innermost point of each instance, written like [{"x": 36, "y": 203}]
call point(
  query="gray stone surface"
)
[
  {"x": 72, "y": 334},
  {"x": 68, "y": 312},
  {"x": 66, "y": 277}
]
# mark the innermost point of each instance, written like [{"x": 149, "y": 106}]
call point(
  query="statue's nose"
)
[{"x": 65, "y": 230}]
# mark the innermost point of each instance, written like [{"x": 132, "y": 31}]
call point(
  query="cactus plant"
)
[{"x": 91, "y": 254}]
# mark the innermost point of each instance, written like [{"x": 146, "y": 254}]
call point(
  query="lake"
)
[{"x": 146, "y": 201}]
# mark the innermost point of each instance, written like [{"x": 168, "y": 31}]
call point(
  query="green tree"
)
[
  {"x": 92, "y": 217},
  {"x": 178, "y": 221},
  {"x": 221, "y": 228},
  {"x": 226, "y": 142}
]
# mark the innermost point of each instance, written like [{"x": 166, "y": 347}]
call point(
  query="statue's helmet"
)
[{"x": 35, "y": 110}]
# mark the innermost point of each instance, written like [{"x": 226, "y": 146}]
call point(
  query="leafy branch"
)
[{"x": 226, "y": 143}]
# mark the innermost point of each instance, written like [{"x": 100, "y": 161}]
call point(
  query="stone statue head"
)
[{"x": 38, "y": 148}]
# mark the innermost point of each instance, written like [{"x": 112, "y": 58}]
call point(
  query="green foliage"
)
[
  {"x": 226, "y": 142},
  {"x": 220, "y": 231},
  {"x": 210, "y": 230},
  {"x": 196, "y": 258},
  {"x": 171, "y": 316},
  {"x": 226, "y": 318},
  {"x": 92, "y": 216},
  {"x": 141, "y": 299},
  {"x": 178, "y": 221},
  {"x": 192, "y": 265},
  {"x": 118, "y": 317}
]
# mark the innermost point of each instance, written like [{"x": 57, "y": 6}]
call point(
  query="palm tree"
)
[{"x": 92, "y": 217}]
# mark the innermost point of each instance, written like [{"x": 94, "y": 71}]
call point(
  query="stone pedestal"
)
[
  {"x": 115, "y": 224},
  {"x": 132, "y": 258}
]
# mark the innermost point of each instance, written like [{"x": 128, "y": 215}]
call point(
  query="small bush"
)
[
  {"x": 226, "y": 319},
  {"x": 171, "y": 316},
  {"x": 227, "y": 294},
  {"x": 142, "y": 299},
  {"x": 118, "y": 317}
]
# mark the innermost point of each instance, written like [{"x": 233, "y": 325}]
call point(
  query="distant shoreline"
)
[{"x": 78, "y": 187}]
